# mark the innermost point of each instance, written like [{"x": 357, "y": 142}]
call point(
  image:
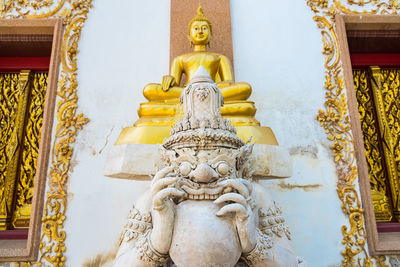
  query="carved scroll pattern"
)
[
  {"x": 69, "y": 122},
  {"x": 9, "y": 96},
  {"x": 390, "y": 93},
  {"x": 30, "y": 151},
  {"x": 14, "y": 147},
  {"x": 334, "y": 118},
  {"x": 8, "y": 109},
  {"x": 373, "y": 150}
]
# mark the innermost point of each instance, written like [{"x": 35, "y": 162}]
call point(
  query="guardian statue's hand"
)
[
  {"x": 240, "y": 204},
  {"x": 163, "y": 209}
]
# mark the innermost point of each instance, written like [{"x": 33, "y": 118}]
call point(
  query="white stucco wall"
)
[
  {"x": 124, "y": 45},
  {"x": 277, "y": 49}
]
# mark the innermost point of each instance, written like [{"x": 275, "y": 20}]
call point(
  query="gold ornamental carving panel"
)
[
  {"x": 9, "y": 97},
  {"x": 30, "y": 144},
  {"x": 373, "y": 145},
  {"x": 390, "y": 91},
  {"x": 14, "y": 114},
  {"x": 22, "y": 105},
  {"x": 385, "y": 88},
  {"x": 378, "y": 95}
]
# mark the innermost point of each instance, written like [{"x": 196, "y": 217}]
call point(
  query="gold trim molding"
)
[
  {"x": 69, "y": 122},
  {"x": 335, "y": 119}
]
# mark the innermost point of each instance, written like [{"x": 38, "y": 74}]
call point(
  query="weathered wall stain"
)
[
  {"x": 108, "y": 135},
  {"x": 305, "y": 187},
  {"x": 309, "y": 150},
  {"x": 73, "y": 163},
  {"x": 102, "y": 259}
]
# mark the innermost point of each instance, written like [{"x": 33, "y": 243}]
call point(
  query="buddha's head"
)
[{"x": 200, "y": 29}]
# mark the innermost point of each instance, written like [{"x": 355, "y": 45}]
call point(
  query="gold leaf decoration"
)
[
  {"x": 334, "y": 118},
  {"x": 9, "y": 96},
  {"x": 30, "y": 150},
  {"x": 373, "y": 149},
  {"x": 74, "y": 14}
]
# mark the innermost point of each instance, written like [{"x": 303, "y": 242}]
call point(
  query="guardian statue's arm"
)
[
  {"x": 272, "y": 247},
  {"x": 148, "y": 233}
]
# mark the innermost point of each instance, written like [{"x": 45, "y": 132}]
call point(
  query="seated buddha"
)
[{"x": 157, "y": 116}]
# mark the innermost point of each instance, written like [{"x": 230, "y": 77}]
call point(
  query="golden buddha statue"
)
[{"x": 157, "y": 116}]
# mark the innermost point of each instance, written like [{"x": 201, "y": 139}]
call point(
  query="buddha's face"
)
[{"x": 200, "y": 33}]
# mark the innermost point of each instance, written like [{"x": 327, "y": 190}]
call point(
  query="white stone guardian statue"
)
[{"x": 203, "y": 209}]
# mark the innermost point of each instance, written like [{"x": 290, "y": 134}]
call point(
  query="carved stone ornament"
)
[{"x": 203, "y": 209}]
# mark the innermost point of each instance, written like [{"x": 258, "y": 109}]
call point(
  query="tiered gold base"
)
[
  {"x": 156, "y": 134},
  {"x": 157, "y": 119}
]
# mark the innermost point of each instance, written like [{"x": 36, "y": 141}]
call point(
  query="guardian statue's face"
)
[{"x": 201, "y": 172}]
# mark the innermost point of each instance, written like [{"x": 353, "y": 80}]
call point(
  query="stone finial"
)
[
  {"x": 202, "y": 125},
  {"x": 202, "y": 100},
  {"x": 201, "y": 75}
]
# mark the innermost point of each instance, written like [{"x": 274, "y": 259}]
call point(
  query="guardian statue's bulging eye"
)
[
  {"x": 223, "y": 168},
  {"x": 185, "y": 168}
]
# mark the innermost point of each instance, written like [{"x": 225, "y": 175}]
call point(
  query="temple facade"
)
[{"x": 302, "y": 93}]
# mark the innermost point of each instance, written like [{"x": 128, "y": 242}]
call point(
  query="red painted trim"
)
[
  {"x": 381, "y": 59},
  {"x": 388, "y": 227},
  {"x": 21, "y": 63},
  {"x": 14, "y": 234}
]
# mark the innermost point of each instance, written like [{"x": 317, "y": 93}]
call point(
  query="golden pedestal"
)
[{"x": 156, "y": 120}]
